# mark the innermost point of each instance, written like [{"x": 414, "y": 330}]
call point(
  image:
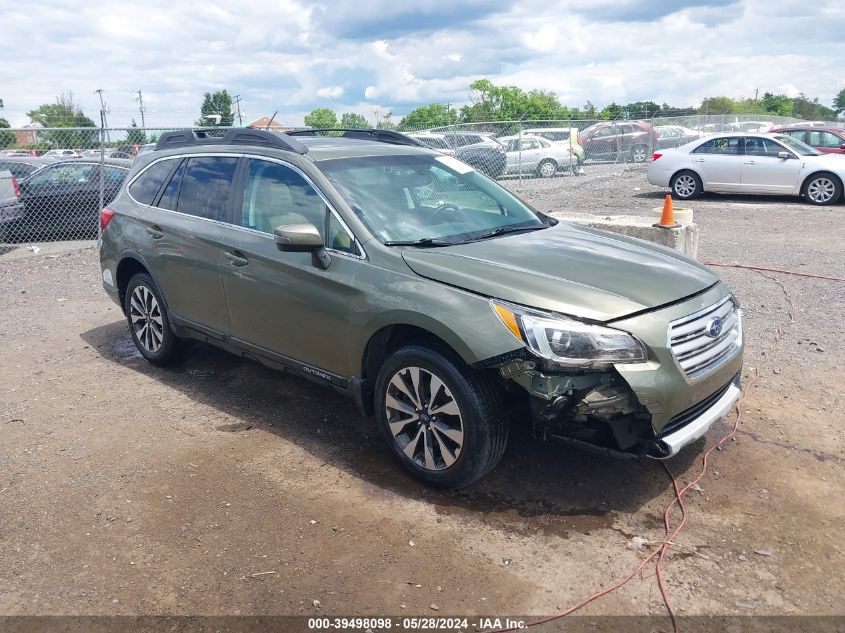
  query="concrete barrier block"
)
[{"x": 683, "y": 239}]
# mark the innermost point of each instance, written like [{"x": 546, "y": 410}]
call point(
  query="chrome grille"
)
[{"x": 699, "y": 345}]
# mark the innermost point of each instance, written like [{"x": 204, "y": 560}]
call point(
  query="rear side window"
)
[
  {"x": 726, "y": 145},
  {"x": 19, "y": 170},
  {"x": 171, "y": 193},
  {"x": 145, "y": 188},
  {"x": 206, "y": 185}
]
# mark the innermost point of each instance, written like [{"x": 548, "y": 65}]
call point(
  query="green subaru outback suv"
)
[{"x": 444, "y": 305}]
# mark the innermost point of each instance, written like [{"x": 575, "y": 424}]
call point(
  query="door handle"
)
[
  {"x": 751, "y": 162},
  {"x": 236, "y": 258},
  {"x": 155, "y": 231}
]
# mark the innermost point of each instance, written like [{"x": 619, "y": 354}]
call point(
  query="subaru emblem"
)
[{"x": 714, "y": 327}]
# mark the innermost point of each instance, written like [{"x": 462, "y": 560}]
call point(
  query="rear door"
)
[
  {"x": 764, "y": 172},
  {"x": 279, "y": 302},
  {"x": 183, "y": 234},
  {"x": 827, "y": 142},
  {"x": 719, "y": 163}
]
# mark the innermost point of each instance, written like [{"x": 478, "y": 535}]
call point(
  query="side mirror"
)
[
  {"x": 842, "y": 146},
  {"x": 784, "y": 155},
  {"x": 302, "y": 238}
]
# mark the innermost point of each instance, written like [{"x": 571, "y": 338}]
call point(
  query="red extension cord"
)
[{"x": 671, "y": 534}]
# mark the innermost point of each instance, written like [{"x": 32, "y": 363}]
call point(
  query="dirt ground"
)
[{"x": 130, "y": 489}]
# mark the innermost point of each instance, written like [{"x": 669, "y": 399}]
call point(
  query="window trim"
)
[
  {"x": 238, "y": 180},
  {"x": 355, "y": 241}
]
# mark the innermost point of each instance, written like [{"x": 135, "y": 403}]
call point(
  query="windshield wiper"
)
[
  {"x": 502, "y": 230},
  {"x": 421, "y": 243}
]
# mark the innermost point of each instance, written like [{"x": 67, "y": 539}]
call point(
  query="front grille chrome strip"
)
[{"x": 703, "y": 341}]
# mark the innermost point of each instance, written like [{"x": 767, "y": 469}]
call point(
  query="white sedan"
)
[{"x": 749, "y": 163}]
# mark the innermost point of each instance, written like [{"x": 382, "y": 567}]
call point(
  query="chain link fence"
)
[{"x": 62, "y": 177}]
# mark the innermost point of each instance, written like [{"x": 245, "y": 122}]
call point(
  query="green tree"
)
[
  {"x": 640, "y": 110},
  {"x": 511, "y": 103},
  {"x": 431, "y": 115},
  {"x": 717, "y": 105},
  {"x": 354, "y": 120},
  {"x": 135, "y": 136},
  {"x": 611, "y": 112},
  {"x": 7, "y": 139},
  {"x": 65, "y": 113},
  {"x": 839, "y": 102},
  {"x": 777, "y": 104},
  {"x": 805, "y": 108},
  {"x": 214, "y": 105},
  {"x": 321, "y": 118}
]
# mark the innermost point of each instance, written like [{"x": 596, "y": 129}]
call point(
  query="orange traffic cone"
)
[{"x": 667, "y": 218}]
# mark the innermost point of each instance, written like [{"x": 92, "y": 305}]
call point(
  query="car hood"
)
[
  {"x": 833, "y": 162},
  {"x": 568, "y": 269}
]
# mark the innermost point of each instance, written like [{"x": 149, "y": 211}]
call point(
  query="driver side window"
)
[{"x": 275, "y": 195}]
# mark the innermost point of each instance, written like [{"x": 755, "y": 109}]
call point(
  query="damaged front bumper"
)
[{"x": 653, "y": 408}]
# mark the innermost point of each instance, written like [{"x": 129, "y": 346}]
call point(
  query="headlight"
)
[{"x": 569, "y": 342}]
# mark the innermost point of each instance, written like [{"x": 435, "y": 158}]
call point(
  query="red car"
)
[
  {"x": 619, "y": 140},
  {"x": 825, "y": 139}
]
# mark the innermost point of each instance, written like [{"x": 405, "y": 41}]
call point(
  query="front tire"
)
[
  {"x": 686, "y": 185},
  {"x": 822, "y": 189},
  {"x": 443, "y": 421},
  {"x": 149, "y": 325}
]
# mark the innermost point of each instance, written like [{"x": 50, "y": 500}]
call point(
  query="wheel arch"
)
[
  {"x": 677, "y": 172},
  {"x": 131, "y": 264},
  {"x": 391, "y": 337},
  {"x": 802, "y": 189}
]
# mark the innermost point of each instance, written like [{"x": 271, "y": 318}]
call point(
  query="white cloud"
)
[
  {"x": 278, "y": 54},
  {"x": 330, "y": 92}
]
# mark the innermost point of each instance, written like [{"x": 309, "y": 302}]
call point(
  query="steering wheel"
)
[{"x": 446, "y": 206}]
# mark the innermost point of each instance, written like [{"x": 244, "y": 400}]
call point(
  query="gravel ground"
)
[{"x": 130, "y": 489}]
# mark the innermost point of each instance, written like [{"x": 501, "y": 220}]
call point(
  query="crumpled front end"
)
[{"x": 689, "y": 380}]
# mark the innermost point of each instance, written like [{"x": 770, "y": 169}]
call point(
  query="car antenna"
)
[{"x": 270, "y": 122}]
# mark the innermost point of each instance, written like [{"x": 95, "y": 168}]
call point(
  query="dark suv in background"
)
[
  {"x": 632, "y": 141},
  {"x": 481, "y": 151}
]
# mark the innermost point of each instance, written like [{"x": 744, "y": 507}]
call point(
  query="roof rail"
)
[
  {"x": 382, "y": 136},
  {"x": 232, "y": 136}
]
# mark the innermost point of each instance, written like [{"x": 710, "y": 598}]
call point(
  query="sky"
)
[{"x": 378, "y": 56}]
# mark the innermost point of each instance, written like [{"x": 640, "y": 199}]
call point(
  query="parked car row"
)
[{"x": 59, "y": 198}]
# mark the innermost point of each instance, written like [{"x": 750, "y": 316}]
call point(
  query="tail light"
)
[
  {"x": 16, "y": 187},
  {"x": 655, "y": 156},
  {"x": 105, "y": 217}
]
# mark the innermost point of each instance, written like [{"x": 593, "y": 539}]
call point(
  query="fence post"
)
[
  {"x": 102, "y": 159},
  {"x": 519, "y": 147}
]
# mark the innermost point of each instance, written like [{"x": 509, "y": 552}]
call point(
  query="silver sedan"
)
[
  {"x": 756, "y": 163},
  {"x": 535, "y": 155}
]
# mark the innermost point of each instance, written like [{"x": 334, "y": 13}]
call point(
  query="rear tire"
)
[
  {"x": 547, "y": 168},
  {"x": 639, "y": 153},
  {"x": 822, "y": 189},
  {"x": 149, "y": 326},
  {"x": 443, "y": 421},
  {"x": 686, "y": 185}
]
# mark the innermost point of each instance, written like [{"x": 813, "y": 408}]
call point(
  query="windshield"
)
[
  {"x": 799, "y": 147},
  {"x": 425, "y": 197}
]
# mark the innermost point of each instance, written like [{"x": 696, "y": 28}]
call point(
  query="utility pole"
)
[
  {"x": 103, "y": 112},
  {"x": 140, "y": 101},
  {"x": 237, "y": 99}
]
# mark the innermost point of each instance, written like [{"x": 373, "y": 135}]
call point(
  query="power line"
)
[
  {"x": 237, "y": 99},
  {"x": 141, "y": 108}
]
